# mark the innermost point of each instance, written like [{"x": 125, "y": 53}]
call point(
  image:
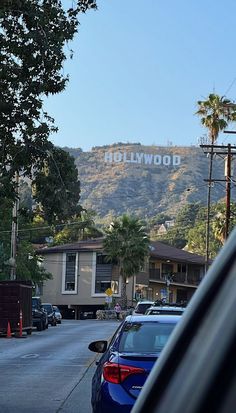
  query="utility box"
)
[{"x": 15, "y": 299}]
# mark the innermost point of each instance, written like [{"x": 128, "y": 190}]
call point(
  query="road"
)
[{"x": 50, "y": 371}]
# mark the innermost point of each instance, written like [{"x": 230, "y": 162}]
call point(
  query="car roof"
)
[
  {"x": 169, "y": 318},
  {"x": 166, "y": 307},
  {"x": 145, "y": 302}
]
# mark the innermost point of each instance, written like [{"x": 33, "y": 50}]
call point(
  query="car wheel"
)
[{"x": 40, "y": 326}]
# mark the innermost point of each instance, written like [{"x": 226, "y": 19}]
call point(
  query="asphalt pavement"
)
[{"x": 51, "y": 371}]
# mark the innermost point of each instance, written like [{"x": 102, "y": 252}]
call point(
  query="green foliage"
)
[
  {"x": 216, "y": 113},
  {"x": 127, "y": 244},
  {"x": 5, "y": 234},
  {"x": 57, "y": 188},
  {"x": 28, "y": 265},
  {"x": 27, "y": 261},
  {"x": 160, "y": 218},
  {"x": 33, "y": 35},
  {"x": 81, "y": 228},
  {"x": 189, "y": 231},
  {"x": 185, "y": 220},
  {"x": 197, "y": 241}
]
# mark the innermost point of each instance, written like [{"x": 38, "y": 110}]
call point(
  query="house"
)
[
  {"x": 82, "y": 277},
  {"x": 173, "y": 273}
]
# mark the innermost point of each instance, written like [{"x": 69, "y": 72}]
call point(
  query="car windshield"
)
[
  {"x": 142, "y": 307},
  {"x": 48, "y": 308},
  {"x": 35, "y": 303},
  {"x": 145, "y": 337}
]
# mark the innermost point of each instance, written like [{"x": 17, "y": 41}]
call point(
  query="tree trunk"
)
[{"x": 123, "y": 300}]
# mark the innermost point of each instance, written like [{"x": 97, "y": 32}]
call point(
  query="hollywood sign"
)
[{"x": 142, "y": 158}]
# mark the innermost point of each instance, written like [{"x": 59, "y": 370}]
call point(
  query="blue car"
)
[{"x": 127, "y": 360}]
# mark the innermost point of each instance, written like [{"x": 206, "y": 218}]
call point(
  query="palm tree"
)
[
  {"x": 219, "y": 223},
  {"x": 216, "y": 113},
  {"x": 126, "y": 243}
]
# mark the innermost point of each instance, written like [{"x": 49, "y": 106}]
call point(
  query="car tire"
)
[{"x": 40, "y": 326}]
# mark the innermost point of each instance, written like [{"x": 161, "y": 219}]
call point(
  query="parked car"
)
[
  {"x": 39, "y": 315},
  {"x": 57, "y": 314},
  {"x": 51, "y": 314},
  {"x": 127, "y": 361},
  {"x": 142, "y": 306},
  {"x": 196, "y": 372},
  {"x": 165, "y": 309}
]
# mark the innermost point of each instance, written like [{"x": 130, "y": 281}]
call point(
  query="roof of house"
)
[
  {"x": 157, "y": 250},
  {"x": 95, "y": 244},
  {"x": 160, "y": 250}
]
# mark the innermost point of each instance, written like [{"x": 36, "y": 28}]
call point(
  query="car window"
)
[
  {"x": 165, "y": 312},
  {"x": 47, "y": 307},
  {"x": 145, "y": 337},
  {"x": 142, "y": 307}
]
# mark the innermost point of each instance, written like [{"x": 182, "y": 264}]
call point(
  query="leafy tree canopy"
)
[
  {"x": 33, "y": 34},
  {"x": 57, "y": 188},
  {"x": 216, "y": 113}
]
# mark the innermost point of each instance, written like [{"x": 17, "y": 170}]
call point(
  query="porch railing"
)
[{"x": 179, "y": 278}]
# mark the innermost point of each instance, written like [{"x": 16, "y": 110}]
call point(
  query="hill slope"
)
[{"x": 145, "y": 180}]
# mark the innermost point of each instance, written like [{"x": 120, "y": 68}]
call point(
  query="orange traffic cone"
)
[{"x": 9, "y": 330}]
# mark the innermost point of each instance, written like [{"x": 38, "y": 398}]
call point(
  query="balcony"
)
[
  {"x": 177, "y": 278},
  {"x": 154, "y": 274}
]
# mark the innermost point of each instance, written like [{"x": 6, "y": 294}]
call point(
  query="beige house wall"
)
[{"x": 85, "y": 292}]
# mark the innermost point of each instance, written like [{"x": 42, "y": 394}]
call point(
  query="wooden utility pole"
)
[
  {"x": 14, "y": 232},
  {"x": 228, "y": 190},
  {"x": 228, "y": 152}
]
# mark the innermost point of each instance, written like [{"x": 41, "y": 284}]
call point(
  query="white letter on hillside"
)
[
  {"x": 176, "y": 160},
  {"x": 108, "y": 157},
  {"x": 148, "y": 158},
  {"x": 139, "y": 157},
  {"x": 125, "y": 157},
  {"x": 117, "y": 157},
  {"x": 157, "y": 159},
  {"x": 132, "y": 158},
  {"x": 166, "y": 160}
]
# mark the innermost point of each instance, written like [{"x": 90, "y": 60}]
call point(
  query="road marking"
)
[{"x": 30, "y": 356}]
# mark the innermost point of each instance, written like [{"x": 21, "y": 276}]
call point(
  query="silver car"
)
[
  {"x": 57, "y": 314},
  {"x": 165, "y": 309}
]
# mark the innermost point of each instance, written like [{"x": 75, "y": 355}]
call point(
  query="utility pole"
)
[
  {"x": 14, "y": 231},
  {"x": 228, "y": 152},
  {"x": 228, "y": 190}
]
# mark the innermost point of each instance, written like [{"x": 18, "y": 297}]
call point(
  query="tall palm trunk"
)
[{"x": 123, "y": 300}]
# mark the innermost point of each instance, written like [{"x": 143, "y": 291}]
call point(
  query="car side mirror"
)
[{"x": 98, "y": 346}]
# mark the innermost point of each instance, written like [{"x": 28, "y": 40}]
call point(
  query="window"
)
[
  {"x": 70, "y": 272},
  {"x": 145, "y": 337},
  {"x": 104, "y": 278}
]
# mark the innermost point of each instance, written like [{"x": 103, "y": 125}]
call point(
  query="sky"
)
[{"x": 139, "y": 68}]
